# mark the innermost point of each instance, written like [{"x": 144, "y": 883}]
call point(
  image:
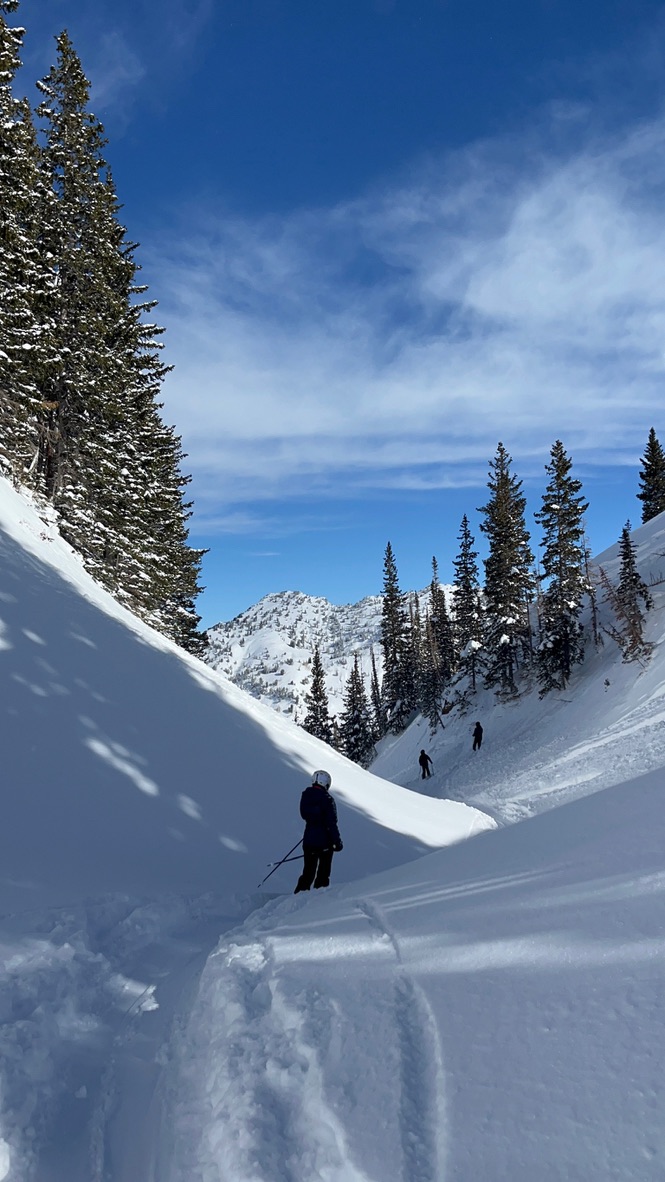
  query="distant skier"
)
[
  {"x": 321, "y": 839},
  {"x": 425, "y": 765},
  {"x": 477, "y": 736}
]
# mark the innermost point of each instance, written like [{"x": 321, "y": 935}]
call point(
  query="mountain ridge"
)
[{"x": 267, "y": 650}]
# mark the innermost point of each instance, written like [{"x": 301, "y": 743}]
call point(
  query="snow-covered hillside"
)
[
  {"x": 144, "y": 797},
  {"x": 267, "y": 650},
  {"x": 490, "y": 1009},
  {"x": 609, "y": 725}
]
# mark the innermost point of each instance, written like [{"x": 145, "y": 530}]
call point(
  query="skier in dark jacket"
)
[
  {"x": 477, "y": 736},
  {"x": 425, "y": 764},
  {"x": 321, "y": 839}
]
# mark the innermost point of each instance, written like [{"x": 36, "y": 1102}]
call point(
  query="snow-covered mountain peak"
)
[{"x": 267, "y": 649}]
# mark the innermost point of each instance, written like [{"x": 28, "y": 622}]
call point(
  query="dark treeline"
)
[
  {"x": 517, "y": 628},
  {"x": 80, "y": 359}
]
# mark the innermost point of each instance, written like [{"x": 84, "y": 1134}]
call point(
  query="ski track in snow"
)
[
  {"x": 266, "y": 1063},
  {"x": 422, "y": 1091},
  {"x": 256, "y": 1076}
]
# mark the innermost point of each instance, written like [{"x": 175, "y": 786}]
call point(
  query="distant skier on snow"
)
[
  {"x": 425, "y": 765},
  {"x": 321, "y": 838},
  {"x": 477, "y": 736}
]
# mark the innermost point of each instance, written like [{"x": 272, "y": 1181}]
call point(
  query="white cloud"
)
[
  {"x": 116, "y": 72},
  {"x": 392, "y": 341}
]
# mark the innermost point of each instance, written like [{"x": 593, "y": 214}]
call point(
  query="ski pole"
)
[
  {"x": 297, "y": 858},
  {"x": 280, "y": 863}
]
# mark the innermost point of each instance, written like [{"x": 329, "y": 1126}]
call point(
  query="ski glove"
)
[{"x": 339, "y": 845}]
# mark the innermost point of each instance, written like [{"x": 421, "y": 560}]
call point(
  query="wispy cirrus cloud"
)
[
  {"x": 117, "y": 73},
  {"x": 130, "y": 57},
  {"x": 506, "y": 292}
]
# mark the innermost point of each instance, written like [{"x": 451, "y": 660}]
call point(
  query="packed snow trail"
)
[{"x": 256, "y": 1059}]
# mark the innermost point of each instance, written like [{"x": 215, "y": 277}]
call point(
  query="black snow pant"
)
[
  {"x": 318, "y": 863},
  {"x": 426, "y": 772},
  {"x": 476, "y": 742}
]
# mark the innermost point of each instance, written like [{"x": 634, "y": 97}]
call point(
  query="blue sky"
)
[{"x": 385, "y": 235}]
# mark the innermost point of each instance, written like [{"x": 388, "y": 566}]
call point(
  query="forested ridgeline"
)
[{"x": 524, "y": 626}]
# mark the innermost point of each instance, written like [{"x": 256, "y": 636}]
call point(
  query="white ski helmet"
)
[{"x": 323, "y": 779}]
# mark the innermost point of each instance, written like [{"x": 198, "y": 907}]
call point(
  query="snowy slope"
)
[
  {"x": 147, "y": 769},
  {"x": 608, "y": 727},
  {"x": 485, "y": 1011},
  {"x": 144, "y": 797},
  {"x": 492, "y": 1011}
]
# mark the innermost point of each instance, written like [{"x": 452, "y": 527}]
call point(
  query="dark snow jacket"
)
[{"x": 319, "y": 812}]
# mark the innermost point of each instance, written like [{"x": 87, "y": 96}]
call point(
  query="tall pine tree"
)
[
  {"x": 509, "y": 583},
  {"x": 416, "y": 652},
  {"x": 467, "y": 606},
  {"x": 25, "y": 277},
  {"x": 376, "y": 701},
  {"x": 652, "y": 479},
  {"x": 355, "y": 724},
  {"x": 442, "y": 629},
  {"x": 317, "y": 720},
  {"x": 561, "y": 642},
  {"x": 439, "y": 660},
  {"x": 397, "y": 689},
  {"x": 629, "y": 600},
  {"x": 106, "y": 459}
]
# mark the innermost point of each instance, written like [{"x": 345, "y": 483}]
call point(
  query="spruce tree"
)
[
  {"x": 317, "y": 720},
  {"x": 355, "y": 724},
  {"x": 592, "y": 592},
  {"x": 25, "y": 277},
  {"x": 106, "y": 459},
  {"x": 628, "y": 600},
  {"x": 508, "y": 577},
  {"x": 561, "y": 642},
  {"x": 431, "y": 685},
  {"x": 652, "y": 479},
  {"x": 397, "y": 688},
  {"x": 416, "y": 650},
  {"x": 442, "y": 629},
  {"x": 467, "y": 606},
  {"x": 376, "y": 701}
]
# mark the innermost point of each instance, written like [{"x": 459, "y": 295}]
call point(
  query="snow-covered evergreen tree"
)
[
  {"x": 508, "y": 576},
  {"x": 430, "y": 687},
  {"x": 561, "y": 640},
  {"x": 106, "y": 459},
  {"x": 629, "y": 600},
  {"x": 467, "y": 607},
  {"x": 355, "y": 724},
  {"x": 397, "y": 689},
  {"x": 317, "y": 720},
  {"x": 443, "y": 636},
  {"x": 652, "y": 478},
  {"x": 24, "y": 274},
  {"x": 376, "y": 702},
  {"x": 416, "y": 652}
]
